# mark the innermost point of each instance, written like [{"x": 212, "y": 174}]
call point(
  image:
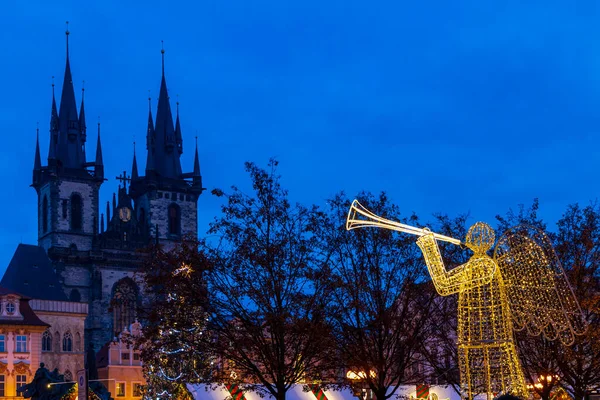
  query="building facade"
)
[
  {"x": 20, "y": 342},
  {"x": 120, "y": 366},
  {"x": 93, "y": 253}
]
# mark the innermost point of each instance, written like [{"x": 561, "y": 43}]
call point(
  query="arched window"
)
[
  {"x": 76, "y": 212},
  {"x": 45, "y": 215},
  {"x": 68, "y": 376},
  {"x": 78, "y": 342},
  {"x": 67, "y": 342},
  {"x": 75, "y": 296},
  {"x": 123, "y": 303},
  {"x": 47, "y": 341},
  {"x": 174, "y": 219}
]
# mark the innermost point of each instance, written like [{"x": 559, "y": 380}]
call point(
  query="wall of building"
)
[
  {"x": 123, "y": 366},
  {"x": 63, "y": 316},
  {"x": 13, "y": 364}
]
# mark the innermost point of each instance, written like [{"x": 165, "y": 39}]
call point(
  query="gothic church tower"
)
[
  {"x": 68, "y": 186},
  {"x": 166, "y": 198},
  {"x": 96, "y": 256}
]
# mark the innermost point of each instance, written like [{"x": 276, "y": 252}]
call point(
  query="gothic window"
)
[
  {"x": 68, "y": 376},
  {"x": 45, "y": 215},
  {"x": 75, "y": 296},
  {"x": 67, "y": 342},
  {"x": 64, "y": 209},
  {"x": 76, "y": 212},
  {"x": 174, "y": 219},
  {"x": 47, "y": 341},
  {"x": 78, "y": 342},
  {"x": 123, "y": 304}
]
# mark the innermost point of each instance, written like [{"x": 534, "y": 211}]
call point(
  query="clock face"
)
[{"x": 125, "y": 214}]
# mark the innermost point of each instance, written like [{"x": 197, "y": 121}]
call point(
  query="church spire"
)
[
  {"x": 53, "y": 129},
  {"x": 134, "y": 169},
  {"x": 196, "y": 174},
  {"x": 99, "y": 168},
  {"x": 82, "y": 126},
  {"x": 166, "y": 158},
  {"x": 150, "y": 139},
  {"x": 178, "y": 138},
  {"x": 70, "y": 145},
  {"x": 37, "y": 163}
]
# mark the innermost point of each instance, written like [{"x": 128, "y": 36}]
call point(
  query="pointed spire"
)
[
  {"x": 102, "y": 223},
  {"x": 37, "y": 163},
  {"x": 99, "y": 168},
  {"x": 114, "y": 203},
  {"x": 82, "y": 126},
  {"x": 107, "y": 214},
  {"x": 69, "y": 150},
  {"x": 178, "y": 138},
  {"x": 53, "y": 129},
  {"x": 166, "y": 159},
  {"x": 150, "y": 138},
  {"x": 134, "y": 169},
  {"x": 196, "y": 162}
]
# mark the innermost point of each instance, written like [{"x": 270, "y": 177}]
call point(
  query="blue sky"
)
[{"x": 450, "y": 107}]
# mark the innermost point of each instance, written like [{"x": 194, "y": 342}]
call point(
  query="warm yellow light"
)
[
  {"x": 522, "y": 287},
  {"x": 359, "y": 375},
  {"x": 185, "y": 270}
]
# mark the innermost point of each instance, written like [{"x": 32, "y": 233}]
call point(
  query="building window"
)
[
  {"x": 124, "y": 356},
  {"x": 10, "y": 308},
  {"x": 47, "y": 341},
  {"x": 2, "y": 343},
  {"x": 123, "y": 304},
  {"x": 21, "y": 344},
  {"x": 136, "y": 356},
  {"x": 67, "y": 342},
  {"x": 2, "y": 380},
  {"x": 174, "y": 219},
  {"x": 64, "y": 209},
  {"x": 120, "y": 389},
  {"x": 68, "y": 376},
  {"x": 21, "y": 381},
  {"x": 45, "y": 215},
  {"x": 137, "y": 389},
  {"x": 76, "y": 212}
]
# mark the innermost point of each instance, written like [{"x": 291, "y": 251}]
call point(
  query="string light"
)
[{"x": 522, "y": 287}]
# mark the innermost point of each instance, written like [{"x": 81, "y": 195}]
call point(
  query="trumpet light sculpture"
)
[{"x": 522, "y": 287}]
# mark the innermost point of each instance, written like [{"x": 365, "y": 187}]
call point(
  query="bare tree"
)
[
  {"x": 383, "y": 299},
  {"x": 268, "y": 289},
  {"x": 578, "y": 247}
]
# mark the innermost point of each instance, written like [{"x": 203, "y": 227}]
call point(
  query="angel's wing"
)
[{"x": 540, "y": 297}]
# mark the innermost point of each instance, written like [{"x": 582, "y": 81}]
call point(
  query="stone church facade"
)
[{"x": 94, "y": 251}]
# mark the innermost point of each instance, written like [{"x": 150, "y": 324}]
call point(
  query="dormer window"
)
[{"x": 10, "y": 308}]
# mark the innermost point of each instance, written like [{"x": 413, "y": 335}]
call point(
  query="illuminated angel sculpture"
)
[{"x": 522, "y": 287}]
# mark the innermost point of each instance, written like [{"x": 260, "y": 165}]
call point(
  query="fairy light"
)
[{"x": 523, "y": 287}]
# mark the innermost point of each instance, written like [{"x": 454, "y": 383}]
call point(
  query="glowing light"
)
[
  {"x": 522, "y": 287},
  {"x": 359, "y": 375},
  {"x": 185, "y": 270}
]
